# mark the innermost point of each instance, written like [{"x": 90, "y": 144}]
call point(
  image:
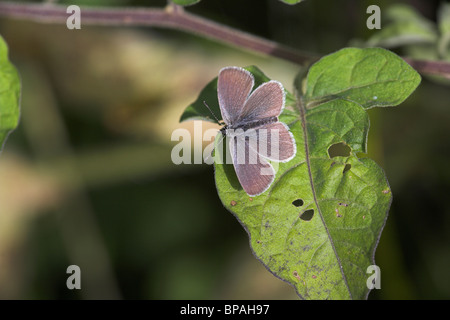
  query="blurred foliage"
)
[
  {"x": 9, "y": 94},
  {"x": 291, "y": 1},
  {"x": 185, "y": 2},
  {"x": 86, "y": 179},
  {"x": 403, "y": 25},
  {"x": 419, "y": 37}
]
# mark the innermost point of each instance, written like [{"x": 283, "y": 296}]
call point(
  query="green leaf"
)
[
  {"x": 370, "y": 77},
  {"x": 9, "y": 94},
  {"x": 291, "y": 1},
  {"x": 198, "y": 111},
  {"x": 405, "y": 26},
  {"x": 318, "y": 225},
  {"x": 185, "y": 2}
]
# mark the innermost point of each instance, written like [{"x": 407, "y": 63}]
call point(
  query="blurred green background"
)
[{"x": 87, "y": 179}]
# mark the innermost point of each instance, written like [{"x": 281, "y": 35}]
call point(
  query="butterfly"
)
[{"x": 255, "y": 135}]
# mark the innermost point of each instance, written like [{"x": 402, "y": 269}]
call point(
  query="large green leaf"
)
[
  {"x": 9, "y": 94},
  {"x": 318, "y": 224}
]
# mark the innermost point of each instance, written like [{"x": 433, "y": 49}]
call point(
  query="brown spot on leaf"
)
[
  {"x": 314, "y": 276},
  {"x": 386, "y": 191},
  {"x": 233, "y": 203},
  {"x": 295, "y": 274}
]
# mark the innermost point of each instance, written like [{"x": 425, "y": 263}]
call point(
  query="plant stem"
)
[{"x": 175, "y": 17}]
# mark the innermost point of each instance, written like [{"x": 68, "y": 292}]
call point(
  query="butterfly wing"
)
[
  {"x": 251, "y": 149},
  {"x": 265, "y": 101},
  {"x": 254, "y": 173},
  {"x": 275, "y": 142},
  {"x": 233, "y": 87}
]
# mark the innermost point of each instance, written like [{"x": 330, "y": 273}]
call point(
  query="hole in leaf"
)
[
  {"x": 297, "y": 203},
  {"x": 347, "y": 167},
  {"x": 339, "y": 150},
  {"x": 307, "y": 215}
]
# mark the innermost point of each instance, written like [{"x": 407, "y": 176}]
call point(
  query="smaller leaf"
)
[
  {"x": 370, "y": 77},
  {"x": 9, "y": 94},
  {"x": 198, "y": 111},
  {"x": 185, "y": 2}
]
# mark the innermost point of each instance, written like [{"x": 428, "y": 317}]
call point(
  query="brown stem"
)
[
  {"x": 176, "y": 18},
  {"x": 436, "y": 68},
  {"x": 173, "y": 17}
]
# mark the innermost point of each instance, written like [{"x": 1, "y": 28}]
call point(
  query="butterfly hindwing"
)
[
  {"x": 276, "y": 142},
  {"x": 255, "y": 174}
]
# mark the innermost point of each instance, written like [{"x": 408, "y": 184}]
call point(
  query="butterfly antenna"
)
[{"x": 204, "y": 102}]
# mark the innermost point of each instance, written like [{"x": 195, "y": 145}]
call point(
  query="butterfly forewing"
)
[
  {"x": 265, "y": 102},
  {"x": 233, "y": 87}
]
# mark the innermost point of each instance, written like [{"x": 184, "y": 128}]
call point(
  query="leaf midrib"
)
[
  {"x": 342, "y": 93},
  {"x": 302, "y": 109}
]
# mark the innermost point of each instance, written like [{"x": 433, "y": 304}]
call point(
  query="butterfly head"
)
[{"x": 223, "y": 130}]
